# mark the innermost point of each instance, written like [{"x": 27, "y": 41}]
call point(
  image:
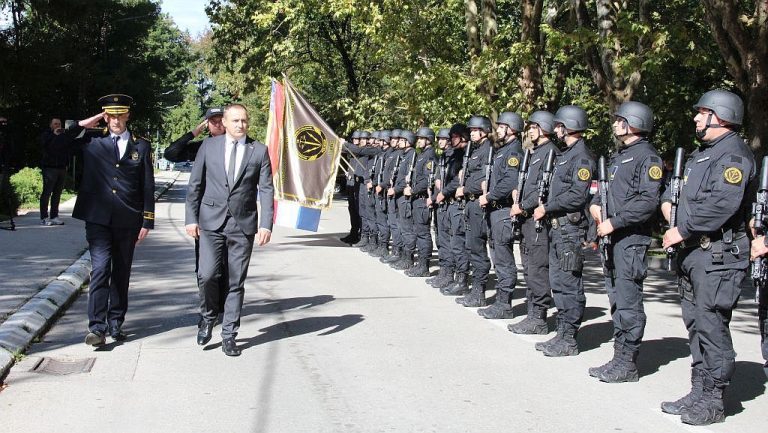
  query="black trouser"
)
[
  {"x": 503, "y": 254},
  {"x": 534, "y": 249},
  {"x": 710, "y": 292},
  {"x": 625, "y": 289},
  {"x": 223, "y": 281},
  {"x": 353, "y": 206},
  {"x": 444, "y": 253},
  {"x": 394, "y": 227},
  {"x": 422, "y": 224},
  {"x": 405, "y": 222},
  {"x": 763, "y": 322},
  {"x": 231, "y": 242},
  {"x": 111, "y": 251},
  {"x": 53, "y": 184},
  {"x": 458, "y": 238},
  {"x": 477, "y": 242},
  {"x": 367, "y": 210},
  {"x": 381, "y": 218},
  {"x": 566, "y": 261}
]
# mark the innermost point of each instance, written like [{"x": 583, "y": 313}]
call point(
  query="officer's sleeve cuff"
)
[{"x": 683, "y": 232}]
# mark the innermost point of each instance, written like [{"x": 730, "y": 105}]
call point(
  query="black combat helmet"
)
[
  {"x": 396, "y": 133},
  {"x": 365, "y": 134},
  {"x": 409, "y": 136},
  {"x": 637, "y": 115},
  {"x": 427, "y": 133},
  {"x": 728, "y": 106},
  {"x": 386, "y": 135},
  {"x": 573, "y": 117},
  {"x": 480, "y": 122},
  {"x": 356, "y": 134},
  {"x": 545, "y": 120},
  {"x": 444, "y": 133},
  {"x": 513, "y": 120},
  {"x": 460, "y": 129}
]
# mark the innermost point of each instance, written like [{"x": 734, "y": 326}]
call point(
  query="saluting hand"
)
[
  {"x": 200, "y": 128},
  {"x": 264, "y": 236},
  {"x": 92, "y": 121}
]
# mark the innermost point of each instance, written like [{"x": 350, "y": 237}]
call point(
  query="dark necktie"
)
[
  {"x": 232, "y": 162},
  {"x": 117, "y": 148}
]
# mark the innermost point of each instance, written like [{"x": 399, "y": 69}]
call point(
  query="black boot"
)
[
  {"x": 380, "y": 251},
  {"x": 440, "y": 275},
  {"x": 624, "y": 369},
  {"x": 363, "y": 241},
  {"x": 447, "y": 281},
  {"x": 458, "y": 288},
  {"x": 475, "y": 298},
  {"x": 405, "y": 262},
  {"x": 501, "y": 309},
  {"x": 559, "y": 330},
  {"x": 352, "y": 238},
  {"x": 566, "y": 346},
  {"x": 373, "y": 243},
  {"x": 534, "y": 323},
  {"x": 597, "y": 371},
  {"x": 709, "y": 408},
  {"x": 681, "y": 405},
  {"x": 420, "y": 270},
  {"x": 393, "y": 255}
]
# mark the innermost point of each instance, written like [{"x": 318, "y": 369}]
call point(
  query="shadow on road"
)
[
  {"x": 655, "y": 354},
  {"x": 747, "y": 384}
]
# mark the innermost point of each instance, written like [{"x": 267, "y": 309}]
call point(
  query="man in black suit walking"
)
[
  {"x": 229, "y": 172},
  {"x": 116, "y": 200}
]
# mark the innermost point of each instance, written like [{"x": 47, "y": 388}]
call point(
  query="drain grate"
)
[{"x": 62, "y": 367}]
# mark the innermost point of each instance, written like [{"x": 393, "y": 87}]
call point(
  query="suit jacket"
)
[
  {"x": 209, "y": 198},
  {"x": 116, "y": 193}
]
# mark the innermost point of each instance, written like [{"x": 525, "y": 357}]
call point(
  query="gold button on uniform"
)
[
  {"x": 117, "y": 165},
  {"x": 114, "y": 191}
]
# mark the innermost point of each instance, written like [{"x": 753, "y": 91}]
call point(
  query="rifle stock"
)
[
  {"x": 544, "y": 183},
  {"x": 605, "y": 241},
  {"x": 675, "y": 188},
  {"x": 759, "y": 210}
]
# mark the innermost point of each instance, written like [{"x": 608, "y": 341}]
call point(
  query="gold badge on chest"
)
[{"x": 135, "y": 155}]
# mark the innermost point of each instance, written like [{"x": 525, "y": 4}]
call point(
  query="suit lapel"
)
[{"x": 246, "y": 158}]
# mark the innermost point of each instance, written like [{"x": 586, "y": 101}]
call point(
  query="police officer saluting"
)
[
  {"x": 564, "y": 211},
  {"x": 713, "y": 250},
  {"x": 497, "y": 202},
  {"x": 534, "y": 247},
  {"x": 477, "y": 226},
  {"x": 633, "y": 187},
  {"x": 116, "y": 201},
  {"x": 421, "y": 184}
]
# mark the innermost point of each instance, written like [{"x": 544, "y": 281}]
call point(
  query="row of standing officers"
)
[{"x": 483, "y": 197}]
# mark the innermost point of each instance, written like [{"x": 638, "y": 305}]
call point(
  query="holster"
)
[
  {"x": 685, "y": 288},
  {"x": 571, "y": 258}
]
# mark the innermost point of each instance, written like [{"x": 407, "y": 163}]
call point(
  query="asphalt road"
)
[{"x": 334, "y": 341}]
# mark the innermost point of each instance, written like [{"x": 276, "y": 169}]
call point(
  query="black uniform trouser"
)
[
  {"x": 53, "y": 184},
  {"x": 762, "y": 315},
  {"x": 422, "y": 223},
  {"x": 566, "y": 261},
  {"x": 394, "y": 227},
  {"x": 367, "y": 217},
  {"x": 477, "y": 242},
  {"x": 381, "y": 219},
  {"x": 534, "y": 251},
  {"x": 405, "y": 222},
  {"x": 708, "y": 303},
  {"x": 458, "y": 238},
  {"x": 444, "y": 253},
  {"x": 353, "y": 207},
  {"x": 503, "y": 253},
  {"x": 625, "y": 290},
  {"x": 111, "y": 251}
]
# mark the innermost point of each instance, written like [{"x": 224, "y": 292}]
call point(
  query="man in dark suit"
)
[
  {"x": 116, "y": 201},
  {"x": 229, "y": 172}
]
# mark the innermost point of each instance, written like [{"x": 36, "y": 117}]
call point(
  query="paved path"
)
[{"x": 336, "y": 342}]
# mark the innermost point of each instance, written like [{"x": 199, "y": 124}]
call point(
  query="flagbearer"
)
[{"x": 421, "y": 185}]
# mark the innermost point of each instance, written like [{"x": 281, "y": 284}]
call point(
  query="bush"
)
[{"x": 27, "y": 185}]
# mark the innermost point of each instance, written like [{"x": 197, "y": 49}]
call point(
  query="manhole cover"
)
[{"x": 64, "y": 366}]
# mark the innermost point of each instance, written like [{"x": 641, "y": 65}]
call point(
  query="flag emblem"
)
[{"x": 310, "y": 143}]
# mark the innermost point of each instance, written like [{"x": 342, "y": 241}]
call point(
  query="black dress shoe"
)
[
  {"x": 229, "y": 347},
  {"x": 204, "y": 333},
  {"x": 118, "y": 335},
  {"x": 95, "y": 339}
]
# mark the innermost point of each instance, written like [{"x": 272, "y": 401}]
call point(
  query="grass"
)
[{"x": 35, "y": 205}]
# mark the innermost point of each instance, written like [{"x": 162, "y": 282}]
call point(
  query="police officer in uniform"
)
[
  {"x": 116, "y": 201},
  {"x": 760, "y": 249},
  {"x": 352, "y": 200},
  {"x": 712, "y": 245},
  {"x": 369, "y": 222},
  {"x": 534, "y": 247},
  {"x": 634, "y": 181},
  {"x": 379, "y": 199},
  {"x": 391, "y": 168},
  {"x": 404, "y": 209},
  {"x": 443, "y": 220},
  {"x": 362, "y": 155},
  {"x": 457, "y": 286},
  {"x": 497, "y": 202},
  {"x": 421, "y": 185},
  {"x": 564, "y": 211},
  {"x": 475, "y": 215},
  {"x": 185, "y": 147}
]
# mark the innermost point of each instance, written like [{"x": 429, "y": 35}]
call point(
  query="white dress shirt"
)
[
  {"x": 228, "y": 152},
  {"x": 122, "y": 141}
]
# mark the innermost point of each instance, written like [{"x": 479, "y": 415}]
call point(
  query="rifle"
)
[
  {"x": 675, "y": 188},
  {"x": 464, "y": 163},
  {"x": 605, "y": 241},
  {"x": 395, "y": 169},
  {"x": 521, "y": 178},
  {"x": 759, "y": 210},
  {"x": 371, "y": 172},
  {"x": 544, "y": 183},
  {"x": 409, "y": 177},
  {"x": 488, "y": 171},
  {"x": 380, "y": 178},
  {"x": 430, "y": 192}
]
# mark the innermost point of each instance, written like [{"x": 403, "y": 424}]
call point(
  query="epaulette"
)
[{"x": 138, "y": 137}]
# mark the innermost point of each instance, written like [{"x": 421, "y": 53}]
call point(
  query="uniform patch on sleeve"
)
[
  {"x": 733, "y": 175},
  {"x": 429, "y": 165},
  {"x": 149, "y": 215},
  {"x": 584, "y": 174},
  {"x": 654, "y": 172},
  {"x": 513, "y": 162}
]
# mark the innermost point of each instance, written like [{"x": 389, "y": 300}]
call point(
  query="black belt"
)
[
  {"x": 421, "y": 195},
  {"x": 500, "y": 204},
  {"x": 472, "y": 197},
  {"x": 705, "y": 240}
]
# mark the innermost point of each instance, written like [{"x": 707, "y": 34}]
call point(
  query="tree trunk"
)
[
  {"x": 473, "y": 35},
  {"x": 530, "y": 82}
]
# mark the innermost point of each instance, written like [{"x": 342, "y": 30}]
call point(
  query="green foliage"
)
[{"x": 27, "y": 185}]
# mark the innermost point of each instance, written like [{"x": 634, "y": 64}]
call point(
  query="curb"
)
[{"x": 38, "y": 313}]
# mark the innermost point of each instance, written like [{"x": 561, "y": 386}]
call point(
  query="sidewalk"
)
[{"x": 33, "y": 288}]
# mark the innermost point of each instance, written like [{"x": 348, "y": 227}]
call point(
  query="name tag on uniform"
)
[
  {"x": 702, "y": 159},
  {"x": 627, "y": 160}
]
